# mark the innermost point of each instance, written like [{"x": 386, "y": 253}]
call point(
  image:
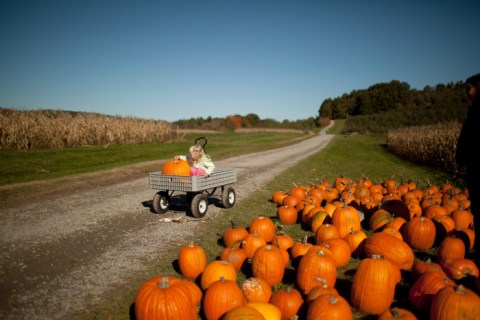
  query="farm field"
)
[{"x": 353, "y": 157}]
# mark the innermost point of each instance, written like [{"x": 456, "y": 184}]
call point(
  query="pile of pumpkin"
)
[{"x": 383, "y": 225}]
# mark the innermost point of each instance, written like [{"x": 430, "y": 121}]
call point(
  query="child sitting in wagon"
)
[{"x": 201, "y": 164}]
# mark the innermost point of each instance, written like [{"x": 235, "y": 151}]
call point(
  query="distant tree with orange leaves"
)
[{"x": 235, "y": 121}]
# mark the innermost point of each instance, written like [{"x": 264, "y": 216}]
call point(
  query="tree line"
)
[
  {"x": 250, "y": 120},
  {"x": 393, "y": 105},
  {"x": 377, "y": 109}
]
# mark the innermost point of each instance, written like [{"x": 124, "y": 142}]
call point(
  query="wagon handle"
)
[{"x": 204, "y": 142}]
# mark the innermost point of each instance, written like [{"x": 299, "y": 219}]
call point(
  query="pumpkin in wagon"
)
[{"x": 176, "y": 168}]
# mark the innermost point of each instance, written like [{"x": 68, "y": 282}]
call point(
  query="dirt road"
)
[{"x": 65, "y": 244}]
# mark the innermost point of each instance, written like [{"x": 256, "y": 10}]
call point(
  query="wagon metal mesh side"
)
[{"x": 220, "y": 177}]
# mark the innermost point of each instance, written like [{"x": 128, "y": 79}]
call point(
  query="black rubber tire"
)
[
  {"x": 228, "y": 197},
  {"x": 199, "y": 206},
  {"x": 161, "y": 202}
]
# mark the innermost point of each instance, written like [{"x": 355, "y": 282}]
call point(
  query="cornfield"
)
[
  {"x": 433, "y": 145},
  {"x": 35, "y": 129}
]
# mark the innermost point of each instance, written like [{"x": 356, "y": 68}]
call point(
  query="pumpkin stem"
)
[
  {"x": 395, "y": 312},
  {"x": 305, "y": 239},
  {"x": 428, "y": 181},
  {"x": 332, "y": 300},
  {"x": 236, "y": 244},
  {"x": 164, "y": 283},
  {"x": 322, "y": 281},
  {"x": 460, "y": 289}
]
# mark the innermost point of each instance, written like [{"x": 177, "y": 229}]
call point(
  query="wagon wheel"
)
[
  {"x": 228, "y": 197},
  {"x": 199, "y": 205},
  {"x": 161, "y": 202}
]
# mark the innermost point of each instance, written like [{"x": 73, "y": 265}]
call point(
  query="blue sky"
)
[{"x": 279, "y": 59}]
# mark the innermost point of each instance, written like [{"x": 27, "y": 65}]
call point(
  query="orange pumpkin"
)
[
  {"x": 287, "y": 215},
  {"x": 251, "y": 243},
  {"x": 215, "y": 270},
  {"x": 191, "y": 260},
  {"x": 283, "y": 240},
  {"x": 390, "y": 185},
  {"x": 452, "y": 302},
  {"x": 330, "y": 307},
  {"x": 256, "y": 290},
  {"x": 243, "y": 312},
  {"x": 390, "y": 247},
  {"x": 315, "y": 264},
  {"x": 435, "y": 210},
  {"x": 420, "y": 233},
  {"x": 278, "y": 196},
  {"x": 176, "y": 168},
  {"x": 268, "y": 310},
  {"x": 326, "y": 231},
  {"x": 298, "y": 191},
  {"x": 265, "y": 264},
  {"x": 317, "y": 193},
  {"x": 320, "y": 289},
  {"x": 341, "y": 183},
  {"x": 264, "y": 227},
  {"x": 468, "y": 235},
  {"x": 320, "y": 217},
  {"x": 379, "y": 219},
  {"x": 291, "y": 200},
  {"x": 443, "y": 225},
  {"x": 346, "y": 219},
  {"x": 458, "y": 268},
  {"x": 415, "y": 209},
  {"x": 159, "y": 299},
  {"x": 289, "y": 300},
  {"x": 462, "y": 218},
  {"x": 233, "y": 234},
  {"x": 398, "y": 223},
  {"x": 299, "y": 248},
  {"x": 221, "y": 297},
  {"x": 235, "y": 255},
  {"x": 340, "y": 250},
  {"x": 451, "y": 247},
  {"x": 393, "y": 232},
  {"x": 425, "y": 287},
  {"x": 422, "y": 266},
  {"x": 356, "y": 240},
  {"x": 330, "y": 194},
  {"x": 376, "y": 276}
]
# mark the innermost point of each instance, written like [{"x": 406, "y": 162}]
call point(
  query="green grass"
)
[
  {"x": 353, "y": 157},
  {"x": 24, "y": 166}
]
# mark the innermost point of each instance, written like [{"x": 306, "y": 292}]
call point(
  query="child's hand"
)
[
  {"x": 176, "y": 158},
  {"x": 205, "y": 175}
]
